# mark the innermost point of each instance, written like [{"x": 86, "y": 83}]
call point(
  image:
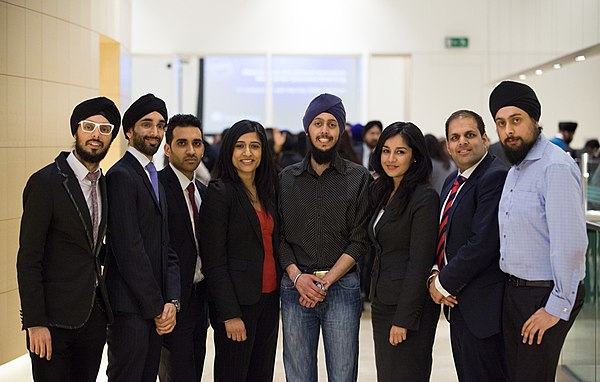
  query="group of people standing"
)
[{"x": 145, "y": 259}]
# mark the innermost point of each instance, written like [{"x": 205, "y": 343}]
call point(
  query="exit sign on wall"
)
[{"x": 457, "y": 42}]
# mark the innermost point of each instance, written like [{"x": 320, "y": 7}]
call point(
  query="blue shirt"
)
[{"x": 542, "y": 224}]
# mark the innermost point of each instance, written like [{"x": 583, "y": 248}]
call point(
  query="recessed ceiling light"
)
[
  {"x": 580, "y": 58},
  {"x": 522, "y": 77},
  {"x": 556, "y": 66},
  {"x": 539, "y": 72}
]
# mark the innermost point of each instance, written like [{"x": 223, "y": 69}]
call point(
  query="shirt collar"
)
[
  {"x": 78, "y": 168},
  {"x": 139, "y": 156},
  {"x": 467, "y": 173},
  {"x": 538, "y": 148},
  {"x": 183, "y": 180},
  {"x": 337, "y": 164}
]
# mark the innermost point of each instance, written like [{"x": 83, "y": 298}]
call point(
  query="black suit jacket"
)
[
  {"x": 405, "y": 248},
  {"x": 473, "y": 248},
  {"x": 181, "y": 231},
  {"x": 58, "y": 263},
  {"x": 232, "y": 248},
  {"x": 142, "y": 272}
]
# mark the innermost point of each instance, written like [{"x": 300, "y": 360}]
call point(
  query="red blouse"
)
[{"x": 267, "y": 225}]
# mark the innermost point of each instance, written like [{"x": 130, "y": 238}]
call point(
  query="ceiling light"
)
[
  {"x": 522, "y": 77},
  {"x": 539, "y": 72},
  {"x": 580, "y": 58},
  {"x": 556, "y": 66}
]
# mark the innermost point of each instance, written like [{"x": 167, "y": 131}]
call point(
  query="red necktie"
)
[
  {"x": 191, "y": 189},
  {"x": 441, "y": 246}
]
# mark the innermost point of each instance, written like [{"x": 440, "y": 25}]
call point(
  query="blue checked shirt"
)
[{"x": 542, "y": 224}]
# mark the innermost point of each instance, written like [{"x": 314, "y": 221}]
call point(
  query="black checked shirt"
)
[{"x": 323, "y": 216}]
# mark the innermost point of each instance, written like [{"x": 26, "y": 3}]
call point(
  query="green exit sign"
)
[{"x": 457, "y": 42}]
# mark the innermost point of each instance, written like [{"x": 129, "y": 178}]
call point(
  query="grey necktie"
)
[{"x": 93, "y": 177}]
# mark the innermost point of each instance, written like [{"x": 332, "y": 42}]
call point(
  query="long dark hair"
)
[
  {"x": 419, "y": 171},
  {"x": 265, "y": 177}
]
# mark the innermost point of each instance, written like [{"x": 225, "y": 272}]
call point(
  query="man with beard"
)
[
  {"x": 566, "y": 131},
  {"x": 542, "y": 237},
  {"x": 142, "y": 272},
  {"x": 182, "y": 357},
  {"x": 370, "y": 135},
  {"x": 63, "y": 297},
  {"x": 323, "y": 207}
]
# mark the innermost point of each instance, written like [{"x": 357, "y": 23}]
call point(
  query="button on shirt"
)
[
  {"x": 323, "y": 216},
  {"x": 184, "y": 182},
  {"x": 542, "y": 224}
]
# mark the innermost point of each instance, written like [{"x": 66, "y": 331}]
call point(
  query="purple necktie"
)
[
  {"x": 93, "y": 177},
  {"x": 153, "y": 178}
]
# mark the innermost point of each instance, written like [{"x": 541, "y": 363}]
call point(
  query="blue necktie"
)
[{"x": 153, "y": 178}]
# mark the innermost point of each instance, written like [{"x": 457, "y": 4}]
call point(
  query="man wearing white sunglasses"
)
[{"x": 63, "y": 297}]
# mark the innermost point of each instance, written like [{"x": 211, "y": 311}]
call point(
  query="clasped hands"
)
[
  {"x": 310, "y": 293},
  {"x": 165, "y": 322},
  {"x": 437, "y": 296}
]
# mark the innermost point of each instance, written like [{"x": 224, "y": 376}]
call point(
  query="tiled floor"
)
[{"x": 443, "y": 367}]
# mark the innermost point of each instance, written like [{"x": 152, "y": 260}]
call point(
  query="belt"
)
[
  {"x": 313, "y": 270},
  {"x": 527, "y": 283}
]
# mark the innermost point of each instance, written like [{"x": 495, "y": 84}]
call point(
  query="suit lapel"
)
[
  {"x": 469, "y": 184},
  {"x": 180, "y": 202},
  {"x": 136, "y": 165},
  {"x": 104, "y": 212},
  {"x": 73, "y": 189},
  {"x": 248, "y": 210}
]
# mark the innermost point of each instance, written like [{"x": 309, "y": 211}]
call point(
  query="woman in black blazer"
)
[
  {"x": 403, "y": 231},
  {"x": 239, "y": 241}
]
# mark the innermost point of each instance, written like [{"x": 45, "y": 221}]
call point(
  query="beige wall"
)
[{"x": 49, "y": 62}]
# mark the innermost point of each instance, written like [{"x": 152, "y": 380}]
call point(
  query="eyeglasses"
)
[{"x": 103, "y": 128}]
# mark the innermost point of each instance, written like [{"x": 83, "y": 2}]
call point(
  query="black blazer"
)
[
  {"x": 181, "y": 231},
  {"x": 58, "y": 263},
  {"x": 232, "y": 248},
  {"x": 142, "y": 273},
  {"x": 404, "y": 244},
  {"x": 473, "y": 248}
]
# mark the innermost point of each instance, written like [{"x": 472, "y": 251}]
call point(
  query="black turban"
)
[
  {"x": 146, "y": 104},
  {"x": 510, "y": 93},
  {"x": 325, "y": 103},
  {"x": 567, "y": 126},
  {"x": 96, "y": 106}
]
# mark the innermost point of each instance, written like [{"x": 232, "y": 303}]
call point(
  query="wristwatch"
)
[{"x": 176, "y": 303}]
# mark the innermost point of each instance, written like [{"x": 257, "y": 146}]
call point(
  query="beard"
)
[
  {"x": 322, "y": 157},
  {"x": 90, "y": 157},
  {"x": 516, "y": 155},
  {"x": 138, "y": 141}
]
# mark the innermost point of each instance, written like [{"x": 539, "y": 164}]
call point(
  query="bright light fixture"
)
[
  {"x": 580, "y": 58},
  {"x": 556, "y": 66},
  {"x": 522, "y": 77},
  {"x": 539, "y": 72}
]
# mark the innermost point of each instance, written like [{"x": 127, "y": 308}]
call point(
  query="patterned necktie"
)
[
  {"x": 191, "y": 189},
  {"x": 153, "y": 178},
  {"x": 93, "y": 177},
  {"x": 441, "y": 246}
]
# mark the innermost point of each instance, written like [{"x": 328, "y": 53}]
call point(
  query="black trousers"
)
[
  {"x": 533, "y": 362},
  {"x": 252, "y": 360},
  {"x": 133, "y": 349},
  {"x": 184, "y": 349},
  {"x": 76, "y": 353},
  {"x": 412, "y": 359},
  {"x": 476, "y": 359}
]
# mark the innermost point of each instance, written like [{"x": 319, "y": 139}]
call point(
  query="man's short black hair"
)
[{"x": 180, "y": 120}]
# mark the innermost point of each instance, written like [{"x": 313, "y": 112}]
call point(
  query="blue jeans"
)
[{"x": 339, "y": 319}]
